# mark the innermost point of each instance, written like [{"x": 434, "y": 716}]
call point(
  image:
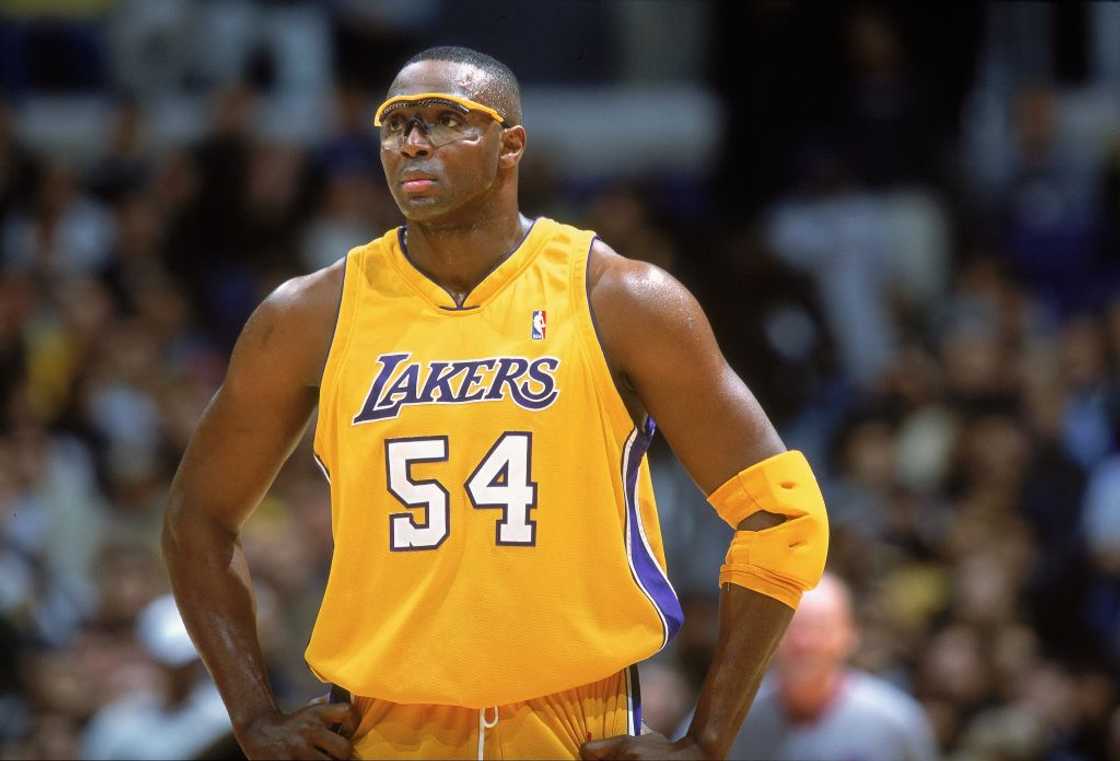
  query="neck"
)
[{"x": 459, "y": 255}]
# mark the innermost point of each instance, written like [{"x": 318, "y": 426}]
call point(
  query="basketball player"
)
[{"x": 486, "y": 388}]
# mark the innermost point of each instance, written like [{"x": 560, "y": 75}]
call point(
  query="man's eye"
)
[
  {"x": 450, "y": 120},
  {"x": 394, "y": 124}
]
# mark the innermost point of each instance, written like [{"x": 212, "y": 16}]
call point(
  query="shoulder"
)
[
  {"x": 294, "y": 324},
  {"x": 612, "y": 275},
  {"x": 644, "y": 315},
  {"x": 889, "y": 704},
  {"x": 628, "y": 292},
  {"x": 307, "y": 296}
]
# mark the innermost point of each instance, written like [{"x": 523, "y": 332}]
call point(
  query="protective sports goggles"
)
[{"x": 443, "y": 129}]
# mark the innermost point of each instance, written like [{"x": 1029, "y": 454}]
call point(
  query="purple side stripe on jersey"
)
[{"x": 647, "y": 572}]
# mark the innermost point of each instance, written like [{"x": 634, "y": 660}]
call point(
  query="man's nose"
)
[{"x": 415, "y": 141}]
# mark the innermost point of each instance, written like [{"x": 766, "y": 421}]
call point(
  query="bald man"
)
[
  {"x": 486, "y": 386},
  {"x": 813, "y": 707}
]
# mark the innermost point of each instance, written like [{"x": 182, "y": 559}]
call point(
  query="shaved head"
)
[{"x": 474, "y": 75}]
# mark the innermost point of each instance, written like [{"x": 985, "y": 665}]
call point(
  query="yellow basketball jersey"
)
[{"x": 496, "y": 537}]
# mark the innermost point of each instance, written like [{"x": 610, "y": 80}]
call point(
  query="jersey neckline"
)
[{"x": 506, "y": 270}]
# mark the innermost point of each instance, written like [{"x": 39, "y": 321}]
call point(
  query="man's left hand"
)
[{"x": 650, "y": 745}]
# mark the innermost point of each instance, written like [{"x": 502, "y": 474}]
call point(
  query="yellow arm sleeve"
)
[{"x": 785, "y": 560}]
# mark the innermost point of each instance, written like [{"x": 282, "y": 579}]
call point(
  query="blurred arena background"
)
[{"x": 903, "y": 220}]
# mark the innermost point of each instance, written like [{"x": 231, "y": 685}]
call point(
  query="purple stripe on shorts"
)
[
  {"x": 649, "y": 575},
  {"x": 635, "y": 701}
]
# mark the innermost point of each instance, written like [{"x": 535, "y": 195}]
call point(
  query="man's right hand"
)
[{"x": 306, "y": 733}]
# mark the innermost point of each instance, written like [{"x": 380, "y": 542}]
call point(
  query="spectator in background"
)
[
  {"x": 1087, "y": 432},
  {"x": 17, "y": 168},
  {"x": 184, "y": 716},
  {"x": 885, "y": 125},
  {"x": 354, "y": 206},
  {"x": 1100, "y": 530},
  {"x": 1052, "y": 209},
  {"x": 351, "y": 145},
  {"x": 348, "y": 216},
  {"x": 65, "y": 234},
  {"x": 126, "y": 164},
  {"x": 814, "y": 707},
  {"x": 864, "y": 472},
  {"x": 206, "y": 251},
  {"x": 836, "y": 232}
]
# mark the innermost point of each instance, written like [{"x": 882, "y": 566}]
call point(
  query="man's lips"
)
[{"x": 417, "y": 181}]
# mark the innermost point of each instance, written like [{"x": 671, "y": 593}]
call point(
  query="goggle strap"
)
[
  {"x": 422, "y": 104},
  {"x": 466, "y": 105}
]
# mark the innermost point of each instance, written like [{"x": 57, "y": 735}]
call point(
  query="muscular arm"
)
[
  {"x": 246, "y": 433},
  {"x": 666, "y": 362}
]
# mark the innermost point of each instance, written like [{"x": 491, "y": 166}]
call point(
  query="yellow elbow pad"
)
[{"x": 785, "y": 560}]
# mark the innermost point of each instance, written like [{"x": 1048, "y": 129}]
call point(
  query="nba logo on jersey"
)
[{"x": 539, "y": 325}]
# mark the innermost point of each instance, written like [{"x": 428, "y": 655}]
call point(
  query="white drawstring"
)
[{"x": 484, "y": 725}]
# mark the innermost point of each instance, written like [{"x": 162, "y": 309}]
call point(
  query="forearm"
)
[
  {"x": 750, "y": 627},
  {"x": 211, "y": 581}
]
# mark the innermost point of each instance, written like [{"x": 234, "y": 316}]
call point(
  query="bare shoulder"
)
[
  {"x": 292, "y": 328},
  {"x": 309, "y": 297},
  {"x": 632, "y": 298},
  {"x": 611, "y": 274}
]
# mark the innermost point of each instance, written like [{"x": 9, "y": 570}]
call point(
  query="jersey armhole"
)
[
  {"x": 340, "y": 341},
  {"x": 593, "y": 345}
]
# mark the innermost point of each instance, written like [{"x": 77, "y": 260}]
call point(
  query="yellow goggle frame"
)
[{"x": 442, "y": 97}]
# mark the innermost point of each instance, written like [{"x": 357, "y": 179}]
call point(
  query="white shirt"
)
[
  {"x": 139, "y": 727},
  {"x": 869, "y": 720}
]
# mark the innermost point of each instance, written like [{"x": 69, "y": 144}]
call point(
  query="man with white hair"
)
[{"x": 814, "y": 707}]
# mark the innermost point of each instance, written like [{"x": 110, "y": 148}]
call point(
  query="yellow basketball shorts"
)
[{"x": 553, "y": 726}]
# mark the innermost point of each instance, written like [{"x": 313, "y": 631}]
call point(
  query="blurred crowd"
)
[{"x": 940, "y": 334}]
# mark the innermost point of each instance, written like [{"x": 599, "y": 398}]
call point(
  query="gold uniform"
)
[{"x": 496, "y": 538}]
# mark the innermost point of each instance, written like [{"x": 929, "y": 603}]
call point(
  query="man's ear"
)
[{"x": 512, "y": 147}]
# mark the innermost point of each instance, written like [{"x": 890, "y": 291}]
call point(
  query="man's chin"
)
[
  {"x": 423, "y": 208},
  {"x": 433, "y": 213}
]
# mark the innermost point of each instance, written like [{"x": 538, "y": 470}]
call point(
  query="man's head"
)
[
  {"x": 448, "y": 158},
  {"x": 814, "y": 652}
]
